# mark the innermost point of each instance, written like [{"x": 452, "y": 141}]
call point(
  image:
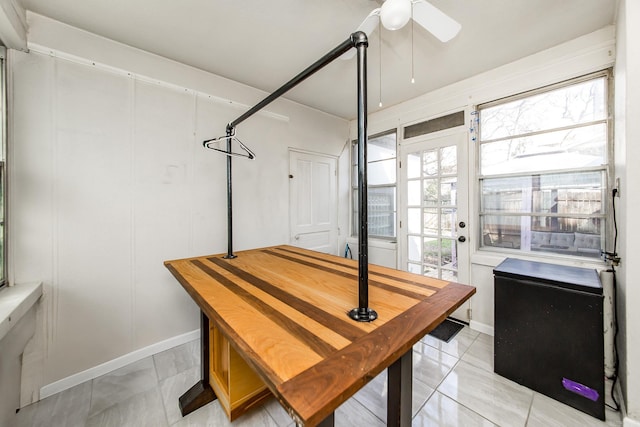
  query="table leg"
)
[
  {"x": 201, "y": 393},
  {"x": 328, "y": 422},
  {"x": 400, "y": 378}
]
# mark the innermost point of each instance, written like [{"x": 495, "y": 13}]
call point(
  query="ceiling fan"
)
[{"x": 394, "y": 14}]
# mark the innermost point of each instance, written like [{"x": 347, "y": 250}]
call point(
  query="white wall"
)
[
  {"x": 627, "y": 134},
  {"x": 109, "y": 179},
  {"x": 586, "y": 54}
]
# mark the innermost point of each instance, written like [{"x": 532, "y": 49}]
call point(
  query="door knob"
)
[{"x": 462, "y": 239}]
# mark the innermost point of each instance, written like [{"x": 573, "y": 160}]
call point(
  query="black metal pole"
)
[
  {"x": 358, "y": 40},
  {"x": 362, "y": 313},
  {"x": 229, "y": 254}
]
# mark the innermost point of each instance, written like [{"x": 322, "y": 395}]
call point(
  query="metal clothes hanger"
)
[{"x": 230, "y": 137}]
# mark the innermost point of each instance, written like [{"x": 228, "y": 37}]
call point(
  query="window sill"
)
[
  {"x": 15, "y": 301},
  {"x": 491, "y": 258}
]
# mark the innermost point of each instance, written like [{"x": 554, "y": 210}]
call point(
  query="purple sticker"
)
[{"x": 580, "y": 389}]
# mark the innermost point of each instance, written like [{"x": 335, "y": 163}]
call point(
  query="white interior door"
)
[
  {"x": 434, "y": 231},
  {"x": 313, "y": 201}
]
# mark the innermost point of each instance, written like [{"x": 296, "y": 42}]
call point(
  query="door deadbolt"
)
[{"x": 462, "y": 224}]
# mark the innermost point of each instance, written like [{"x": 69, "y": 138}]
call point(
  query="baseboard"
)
[
  {"x": 119, "y": 362},
  {"x": 481, "y": 327}
]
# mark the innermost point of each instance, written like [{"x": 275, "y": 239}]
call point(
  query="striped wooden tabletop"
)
[{"x": 284, "y": 309}]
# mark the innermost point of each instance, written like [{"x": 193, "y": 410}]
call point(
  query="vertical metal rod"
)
[
  {"x": 363, "y": 313},
  {"x": 204, "y": 347},
  {"x": 229, "y": 254},
  {"x": 201, "y": 392},
  {"x": 229, "y": 199},
  {"x": 363, "y": 245}
]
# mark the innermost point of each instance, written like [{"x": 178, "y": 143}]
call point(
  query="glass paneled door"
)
[{"x": 434, "y": 230}]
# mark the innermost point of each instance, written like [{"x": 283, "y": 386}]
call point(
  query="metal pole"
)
[
  {"x": 229, "y": 254},
  {"x": 358, "y": 40},
  {"x": 362, "y": 313},
  {"x": 316, "y": 66}
]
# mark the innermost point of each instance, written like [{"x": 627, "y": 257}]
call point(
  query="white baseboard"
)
[
  {"x": 481, "y": 327},
  {"x": 119, "y": 362}
]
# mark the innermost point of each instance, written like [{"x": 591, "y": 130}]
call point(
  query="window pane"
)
[
  {"x": 566, "y": 193},
  {"x": 355, "y": 209},
  {"x": 448, "y": 191},
  {"x": 430, "y": 192},
  {"x": 382, "y": 172},
  {"x": 449, "y": 160},
  {"x": 569, "y": 236},
  {"x": 501, "y": 231},
  {"x": 448, "y": 222},
  {"x": 413, "y": 193},
  {"x": 431, "y": 251},
  {"x": 430, "y": 165},
  {"x": 568, "y": 149},
  {"x": 430, "y": 271},
  {"x": 414, "y": 268},
  {"x": 414, "y": 249},
  {"x": 431, "y": 221},
  {"x": 354, "y": 153},
  {"x": 449, "y": 275},
  {"x": 449, "y": 256},
  {"x": 413, "y": 217},
  {"x": 381, "y": 210},
  {"x": 567, "y": 106},
  {"x": 413, "y": 166},
  {"x": 381, "y": 206},
  {"x": 382, "y": 224},
  {"x": 381, "y": 148}
]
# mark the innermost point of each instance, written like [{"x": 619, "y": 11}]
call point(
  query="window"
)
[
  {"x": 3, "y": 183},
  {"x": 543, "y": 164},
  {"x": 381, "y": 185}
]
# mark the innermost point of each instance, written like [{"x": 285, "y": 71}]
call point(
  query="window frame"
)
[
  {"x": 354, "y": 186},
  {"x": 3, "y": 166},
  {"x": 607, "y": 169}
]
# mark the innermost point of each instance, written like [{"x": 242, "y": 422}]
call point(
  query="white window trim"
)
[{"x": 353, "y": 234}]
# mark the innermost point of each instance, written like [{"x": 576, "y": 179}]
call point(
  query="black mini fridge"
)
[{"x": 549, "y": 331}]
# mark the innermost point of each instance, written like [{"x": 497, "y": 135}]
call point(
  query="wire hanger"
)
[{"x": 211, "y": 144}]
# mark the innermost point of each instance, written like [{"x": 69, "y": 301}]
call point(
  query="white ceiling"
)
[{"x": 265, "y": 43}]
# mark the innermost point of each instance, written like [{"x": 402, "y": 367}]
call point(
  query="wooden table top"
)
[{"x": 284, "y": 309}]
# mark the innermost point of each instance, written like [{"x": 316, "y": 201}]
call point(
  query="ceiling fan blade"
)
[
  {"x": 435, "y": 21},
  {"x": 367, "y": 26}
]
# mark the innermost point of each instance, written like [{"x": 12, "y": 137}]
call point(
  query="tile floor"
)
[{"x": 454, "y": 385}]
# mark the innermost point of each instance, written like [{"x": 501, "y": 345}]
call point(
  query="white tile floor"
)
[{"x": 454, "y": 385}]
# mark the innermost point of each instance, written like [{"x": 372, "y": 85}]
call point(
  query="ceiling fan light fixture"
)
[{"x": 394, "y": 14}]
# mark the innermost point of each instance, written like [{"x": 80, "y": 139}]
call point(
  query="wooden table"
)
[{"x": 284, "y": 311}]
